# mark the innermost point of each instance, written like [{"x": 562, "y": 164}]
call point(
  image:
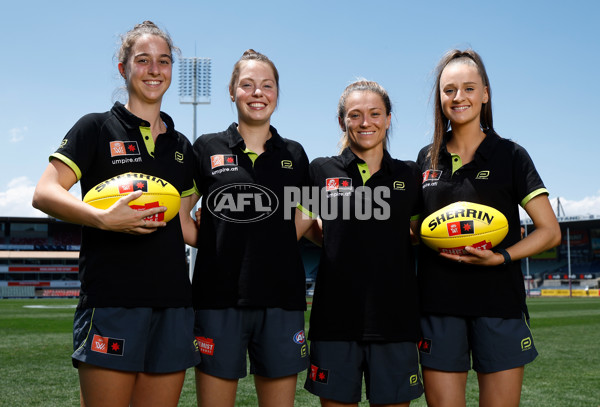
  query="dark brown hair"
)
[{"x": 130, "y": 37}]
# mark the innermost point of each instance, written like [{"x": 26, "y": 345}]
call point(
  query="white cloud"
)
[
  {"x": 588, "y": 206},
  {"x": 16, "y": 199},
  {"x": 17, "y": 134}
]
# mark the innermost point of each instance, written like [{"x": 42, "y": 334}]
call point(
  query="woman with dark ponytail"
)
[{"x": 133, "y": 329}]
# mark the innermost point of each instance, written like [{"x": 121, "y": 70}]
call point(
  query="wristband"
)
[{"x": 504, "y": 253}]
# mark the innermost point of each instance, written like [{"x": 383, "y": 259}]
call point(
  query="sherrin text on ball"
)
[
  {"x": 155, "y": 192},
  {"x": 460, "y": 224}
]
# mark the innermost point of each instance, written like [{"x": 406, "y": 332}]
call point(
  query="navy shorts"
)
[
  {"x": 135, "y": 339},
  {"x": 272, "y": 337},
  {"x": 391, "y": 371},
  {"x": 495, "y": 344}
]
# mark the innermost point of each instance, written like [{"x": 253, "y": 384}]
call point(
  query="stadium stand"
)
[{"x": 38, "y": 258}]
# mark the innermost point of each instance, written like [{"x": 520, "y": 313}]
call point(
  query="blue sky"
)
[{"x": 542, "y": 59}]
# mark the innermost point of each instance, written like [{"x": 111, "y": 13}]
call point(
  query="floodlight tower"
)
[
  {"x": 194, "y": 83},
  {"x": 194, "y": 88}
]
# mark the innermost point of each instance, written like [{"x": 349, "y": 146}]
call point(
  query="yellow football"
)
[
  {"x": 156, "y": 192},
  {"x": 460, "y": 224}
]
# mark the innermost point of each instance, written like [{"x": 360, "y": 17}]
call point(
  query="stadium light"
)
[
  {"x": 194, "y": 83},
  {"x": 194, "y": 88}
]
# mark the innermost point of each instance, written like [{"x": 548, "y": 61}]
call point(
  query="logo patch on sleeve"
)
[
  {"x": 319, "y": 375},
  {"x": 111, "y": 346}
]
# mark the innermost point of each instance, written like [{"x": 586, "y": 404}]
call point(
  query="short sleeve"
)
[
  {"x": 527, "y": 181},
  {"x": 78, "y": 148}
]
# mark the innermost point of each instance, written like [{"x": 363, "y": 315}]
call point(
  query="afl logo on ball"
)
[
  {"x": 242, "y": 203},
  {"x": 299, "y": 337}
]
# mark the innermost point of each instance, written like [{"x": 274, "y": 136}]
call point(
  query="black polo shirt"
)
[
  {"x": 248, "y": 253},
  {"x": 366, "y": 286},
  {"x": 119, "y": 269},
  {"x": 503, "y": 176}
]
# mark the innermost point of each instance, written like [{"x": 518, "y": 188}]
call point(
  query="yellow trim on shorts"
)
[
  {"x": 89, "y": 330},
  {"x": 527, "y": 325}
]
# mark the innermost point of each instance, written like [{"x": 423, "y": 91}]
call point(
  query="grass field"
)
[{"x": 35, "y": 365}]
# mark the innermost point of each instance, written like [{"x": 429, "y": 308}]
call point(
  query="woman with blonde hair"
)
[{"x": 364, "y": 322}]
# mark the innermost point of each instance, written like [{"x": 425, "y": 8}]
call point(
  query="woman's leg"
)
[
  {"x": 101, "y": 387},
  {"x": 333, "y": 403},
  {"x": 212, "y": 391},
  {"x": 275, "y": 392},
  {"x": 501, "y": 388},
  {"x": 157, "y": 390},
  {"x": 444, "y": 389}
]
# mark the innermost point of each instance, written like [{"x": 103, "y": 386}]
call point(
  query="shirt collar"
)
[
  {"x": 236, "y": 139},
  {"x": 348, "y": 158},
  {"x": 132, "y": 122},
  {"x": 485, "y": 149}
]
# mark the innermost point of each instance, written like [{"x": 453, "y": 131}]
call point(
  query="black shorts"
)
[
  {"x": 495, "y": 344},
  {"x": 390, "y": 369},
  {"x": 272, "y": 337},
  {"x": 135, "y": 339}
]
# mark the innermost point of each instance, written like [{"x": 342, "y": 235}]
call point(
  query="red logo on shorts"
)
[
  {"x": 425, "y": 345},
  {"x": 206, "y": 345},
  {"x": 318, "y": 375},
  {"x": 299, "y": 337},
  {"x": 111, "y": 346}
]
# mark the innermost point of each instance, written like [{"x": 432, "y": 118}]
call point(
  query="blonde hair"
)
[{"x": 362, "y": 85}]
